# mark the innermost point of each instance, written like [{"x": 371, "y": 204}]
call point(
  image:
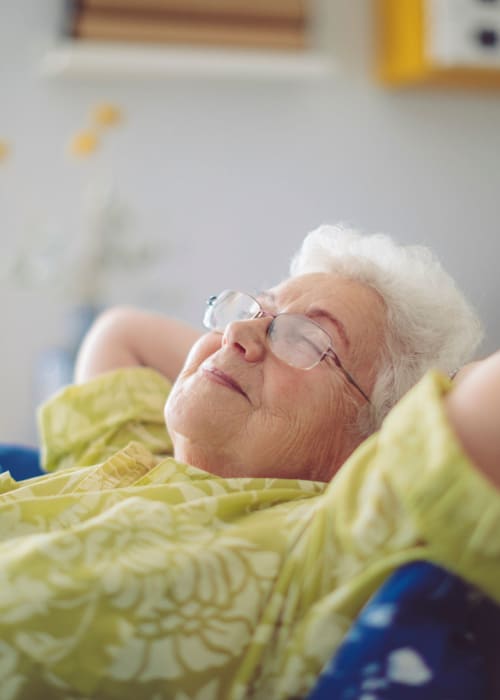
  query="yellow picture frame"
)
[{"x": 402, "y": 56}]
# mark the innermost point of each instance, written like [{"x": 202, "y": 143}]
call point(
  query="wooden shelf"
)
[{"x": 86, "y": 59}]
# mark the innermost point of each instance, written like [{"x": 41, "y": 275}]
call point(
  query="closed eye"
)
[
  {"x": 337, "y": 325},
  {"x": 311, "y": 345}
]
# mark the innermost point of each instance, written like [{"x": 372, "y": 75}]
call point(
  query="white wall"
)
[{"x": 231, "y": 174}]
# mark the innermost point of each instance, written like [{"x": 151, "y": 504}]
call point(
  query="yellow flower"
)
[
  {"x": 107, "y": 114},
  {"x": 4, "y": 150},
  {"x": 84, "y": 143}
]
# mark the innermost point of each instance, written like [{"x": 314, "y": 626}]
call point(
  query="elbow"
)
[{"x": 107, "y": 345}]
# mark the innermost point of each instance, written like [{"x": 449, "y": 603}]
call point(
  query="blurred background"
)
[{"x": 156, "y": 152}]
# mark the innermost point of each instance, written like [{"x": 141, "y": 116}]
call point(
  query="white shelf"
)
[{"x": 96, "y": 59}]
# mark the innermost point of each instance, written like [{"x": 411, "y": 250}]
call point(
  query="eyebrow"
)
[{"x": 316, "y": 312}]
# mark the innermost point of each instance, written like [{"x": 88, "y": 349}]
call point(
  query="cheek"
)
[
  {"x": 206, "y": 346},
  {"x": 308, "y": 395},
  {"x": 282, "y": 385},
  {"x": 182, "y": 396},
  {"x": 173, "y": 407},
  {"x": 191, "y": 402},
  {"x": 319, "y": 411},
  {"x": 186, "y": 407},
  {"x": 305, "y": 407},
  {"x": 321, "y": 416}
]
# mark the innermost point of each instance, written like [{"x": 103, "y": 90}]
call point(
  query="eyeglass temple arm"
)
[
  {"x": 355, "y": 385},
  {"x": 349, "y": 378}
]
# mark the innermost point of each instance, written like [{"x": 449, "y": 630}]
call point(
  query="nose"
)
[{"x": 248, "y": 337}]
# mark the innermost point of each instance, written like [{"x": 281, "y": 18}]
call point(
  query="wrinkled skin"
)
[{"x": 237, "y": 410}]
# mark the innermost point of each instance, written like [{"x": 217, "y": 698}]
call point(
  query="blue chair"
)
[
  {"x": 21, "y": 461},
  {"x": 425, "y": 635}
]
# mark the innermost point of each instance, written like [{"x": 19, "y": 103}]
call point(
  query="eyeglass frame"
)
[{"x": 262, "y": 313}]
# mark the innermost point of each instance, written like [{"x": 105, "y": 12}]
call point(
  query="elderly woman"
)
[
  {"x": 364, "y": 318},
  {"x": 132, "y": 574}
]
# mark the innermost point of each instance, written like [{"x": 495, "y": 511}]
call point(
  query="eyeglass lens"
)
[
  {"x": 297, "y": 341},
  {"x": 293, "y": 338},
  {"x": 228, "y": 307}
]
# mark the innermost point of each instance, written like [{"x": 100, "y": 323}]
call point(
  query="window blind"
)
[{"x": 276, "y": 24}]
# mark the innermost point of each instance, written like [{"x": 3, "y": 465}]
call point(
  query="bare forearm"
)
[
  {"x": 128, "y": 337},
  {"x": 474, "y": 411}
]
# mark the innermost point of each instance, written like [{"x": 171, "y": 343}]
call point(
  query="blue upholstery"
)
[
  {"x": 21, "y": 461},
  {"x": 425, "y": 635}
]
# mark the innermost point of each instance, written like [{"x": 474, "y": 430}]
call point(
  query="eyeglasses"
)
[{"x": 293, "y": 338}]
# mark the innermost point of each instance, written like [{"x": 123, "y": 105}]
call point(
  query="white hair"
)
[{"x": 429, "y": 322}]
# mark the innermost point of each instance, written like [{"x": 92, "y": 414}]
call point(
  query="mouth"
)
[{"x": 221, "y": 377}]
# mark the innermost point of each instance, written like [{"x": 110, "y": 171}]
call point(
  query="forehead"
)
[
  {"x": 359, "y": 308},
  {"x": 329, "y": 289}
]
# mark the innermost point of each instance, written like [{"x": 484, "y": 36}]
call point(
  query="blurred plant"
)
[
  {"x": 82, "y": 266},
  {"x": 4, "y": 150},
  {"x": 111, "y": 245},
  {"x": 107, "y": 114},
  {"x": 85, "y": 142}
]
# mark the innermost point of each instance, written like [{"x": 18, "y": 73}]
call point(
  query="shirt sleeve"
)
[
  {"x": 85, "y": 424},
  {"x": 413, "y": 487},
  {"x": 454, "y": 507}
]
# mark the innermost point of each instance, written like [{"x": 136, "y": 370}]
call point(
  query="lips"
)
[{"x": 221, "y": 377}]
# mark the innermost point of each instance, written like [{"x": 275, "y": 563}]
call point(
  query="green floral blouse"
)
[{"x": 125, "y": 574}]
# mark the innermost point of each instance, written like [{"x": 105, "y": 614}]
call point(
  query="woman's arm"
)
[
  {"x": 128, "y": 337},
  {"x": 473, "y": 407}
]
